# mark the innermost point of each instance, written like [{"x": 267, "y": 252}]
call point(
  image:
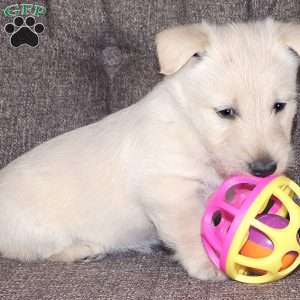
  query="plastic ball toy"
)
[{"x": 251, "y": 228}]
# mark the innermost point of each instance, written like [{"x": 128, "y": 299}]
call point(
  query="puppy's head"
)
[{"x": 237, "y": 83}]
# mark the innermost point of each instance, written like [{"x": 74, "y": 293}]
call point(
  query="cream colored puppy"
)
[{"x": 144, "y": 173}]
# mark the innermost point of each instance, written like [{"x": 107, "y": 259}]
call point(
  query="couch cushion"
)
[
  {"x": 57, "y": 86},
  {"x": 128, "y": 276}
]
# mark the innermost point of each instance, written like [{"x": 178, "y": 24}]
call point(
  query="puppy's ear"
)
[
  {"x": 175, "y": 46},
  {"x": 290, "y": 36}
]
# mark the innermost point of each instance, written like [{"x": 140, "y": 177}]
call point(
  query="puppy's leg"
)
[
  {"x": 176, "y": 211},
  {"x": 77, "y": 252}
]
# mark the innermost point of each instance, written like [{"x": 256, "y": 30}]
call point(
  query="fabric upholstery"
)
[
  {"x": 128, "y": 276},
  {"x": 94, "y": 58}
]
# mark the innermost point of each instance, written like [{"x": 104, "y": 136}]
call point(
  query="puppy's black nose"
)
[{"x": 263, "y": 167}]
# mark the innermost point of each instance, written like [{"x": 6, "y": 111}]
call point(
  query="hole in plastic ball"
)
[
  {"x": 237, "y": 194},
  {"x": 255, "y": 272},
  {"x": 273, "y": 206},
  {"x": 240, "y": 269},
  {"x": 274, "y": 221},
  {"x": 296, "y": 199},
  {"x": 216, "y": 218},
  {"x": 247, "y": 271},
  {"x": 291, "y": 193},
  {"x": 298, "y": 236},
  {"x": 257, "y": 244},
  {"x": 288, "y": 259},
  {"x": 269, "y": 206}
]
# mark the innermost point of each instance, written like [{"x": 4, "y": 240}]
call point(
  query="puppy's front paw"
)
[{"x": 205, "y": 271}]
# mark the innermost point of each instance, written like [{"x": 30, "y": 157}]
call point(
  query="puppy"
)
[{"x": 144, "y": 174}]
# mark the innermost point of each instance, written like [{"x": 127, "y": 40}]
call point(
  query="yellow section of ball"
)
[{"x": 283, "y": 239}]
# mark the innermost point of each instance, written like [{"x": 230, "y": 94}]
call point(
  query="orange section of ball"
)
[
  {"x": 287, "y": 260},
  {"x": 251, "y": 249}
]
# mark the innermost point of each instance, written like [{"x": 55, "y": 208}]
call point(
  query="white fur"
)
[{"x": 145, "y": 172}]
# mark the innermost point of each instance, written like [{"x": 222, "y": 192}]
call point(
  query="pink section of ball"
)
[{"x": 217, "y": 238}]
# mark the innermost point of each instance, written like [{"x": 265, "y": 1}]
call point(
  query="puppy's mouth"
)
[
  {"x": 246, "y": 171},
  {"x": 271, "y": 171},
  {"x": 260, "y": 169}
]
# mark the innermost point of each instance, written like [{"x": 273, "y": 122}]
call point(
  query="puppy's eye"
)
[
  {"x": 279, "y": 106},
  {"x": 227, "y": 113}
]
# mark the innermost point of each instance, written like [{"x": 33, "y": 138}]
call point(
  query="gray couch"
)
[{"x": 94, "y": 58}]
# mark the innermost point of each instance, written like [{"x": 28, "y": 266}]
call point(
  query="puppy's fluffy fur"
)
[{"x": 145, "y": 172}]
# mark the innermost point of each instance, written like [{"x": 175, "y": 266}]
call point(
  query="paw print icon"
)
[{"x": 24, "y": 32}]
